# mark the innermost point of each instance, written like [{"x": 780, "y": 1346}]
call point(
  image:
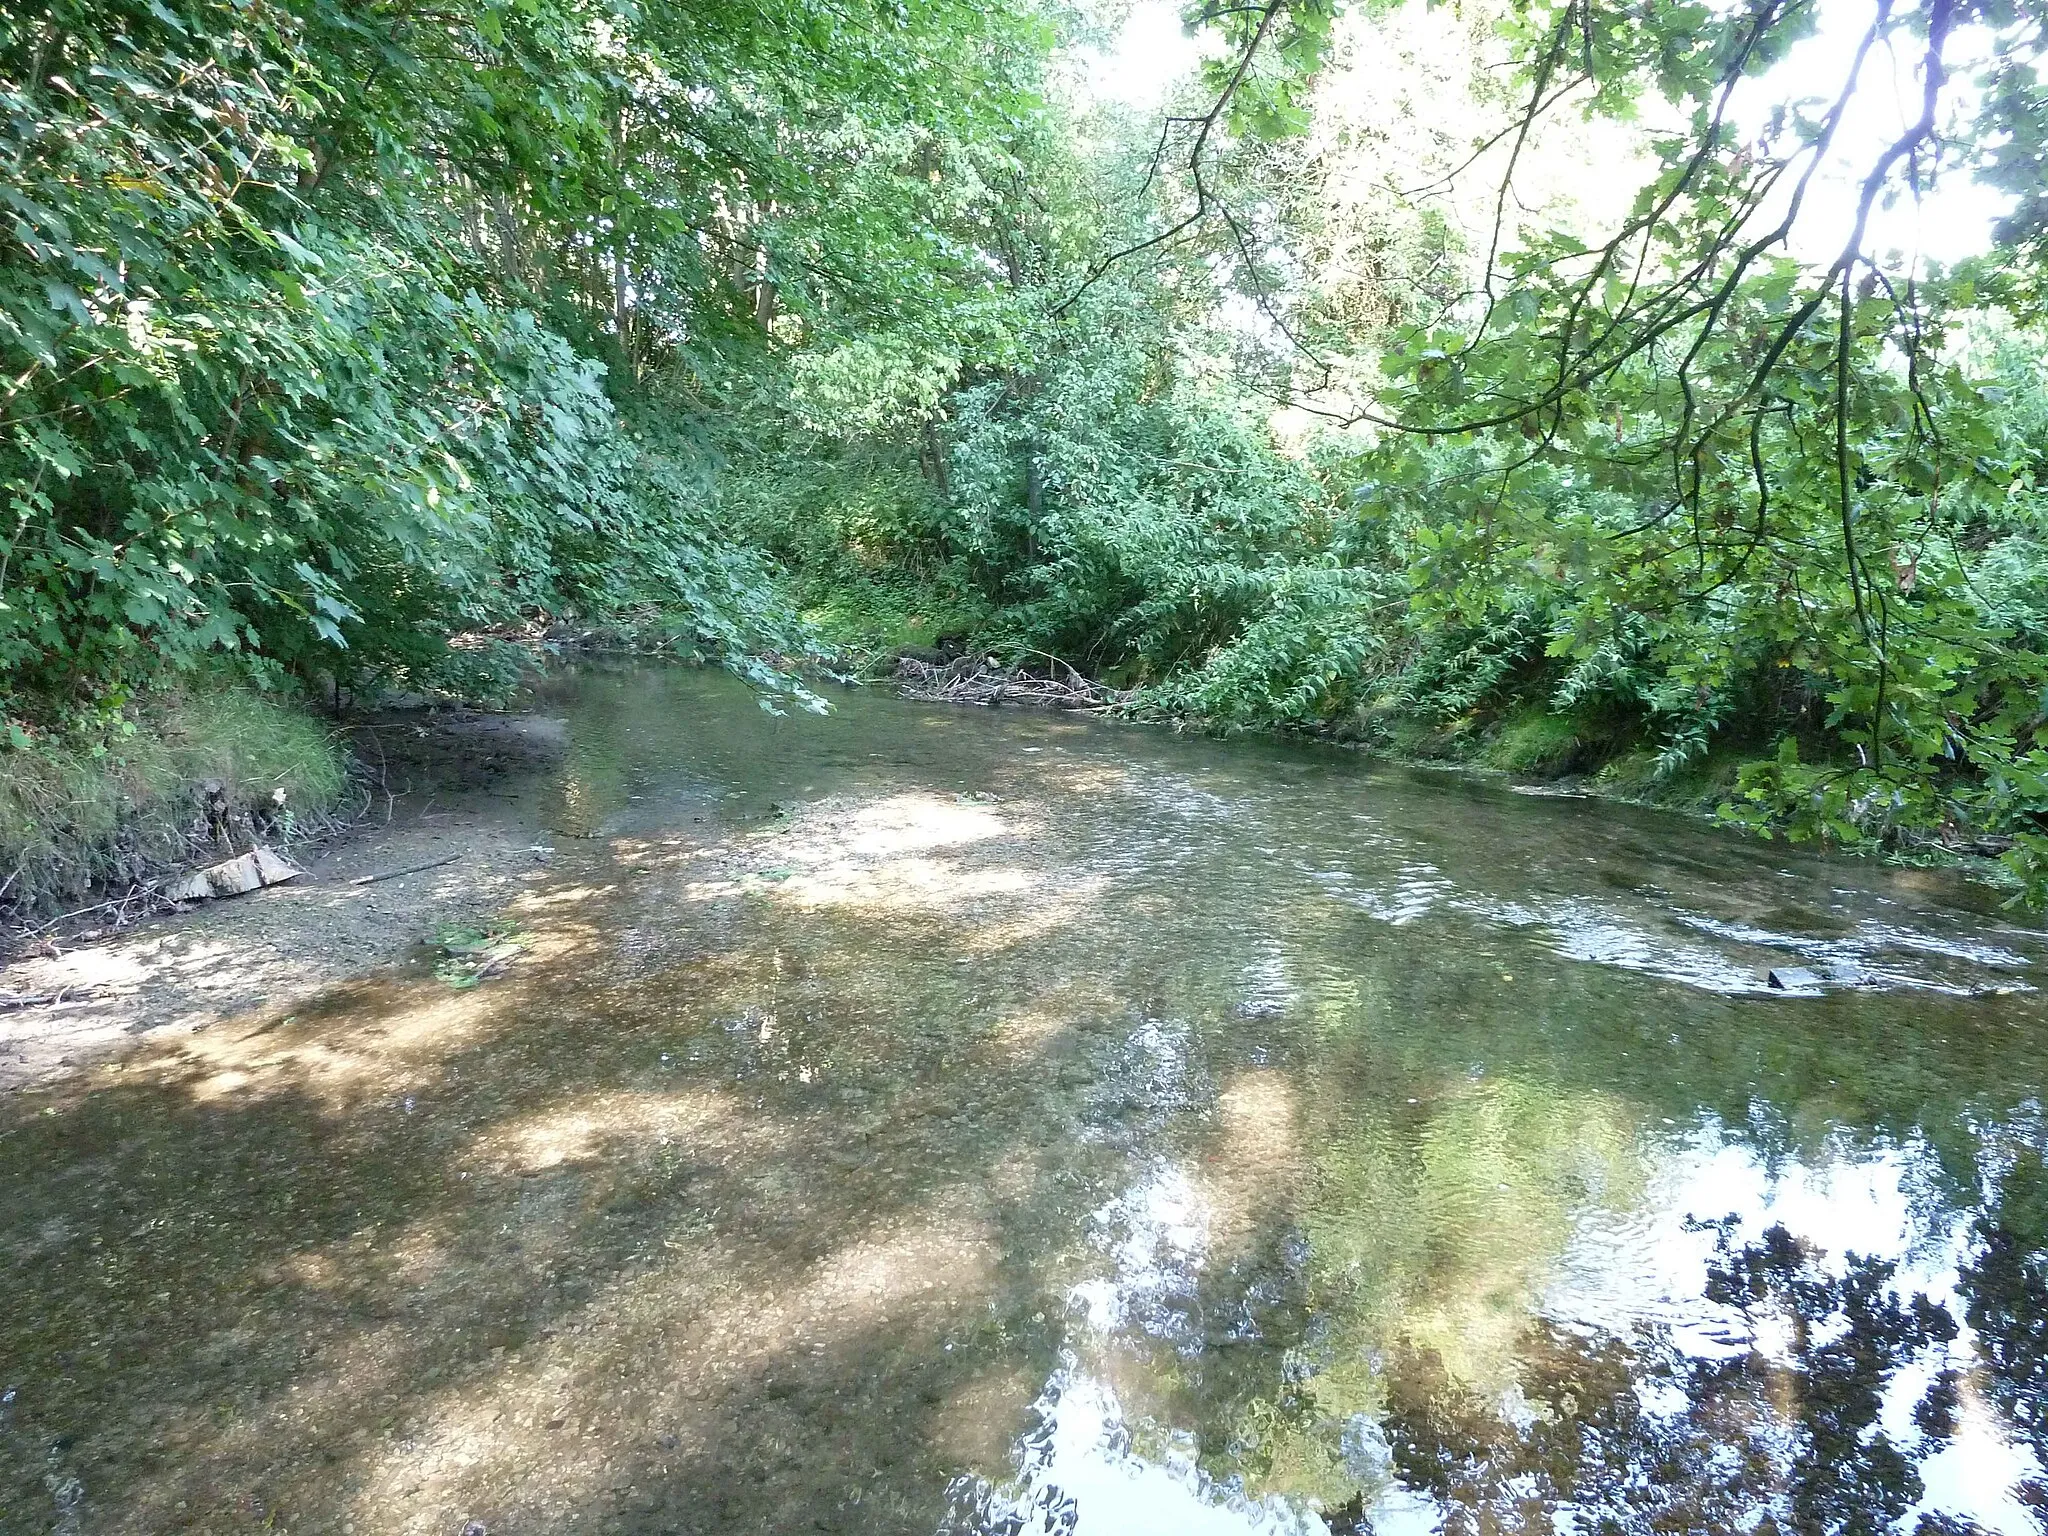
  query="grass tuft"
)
[{"x": 104, "y": 808}]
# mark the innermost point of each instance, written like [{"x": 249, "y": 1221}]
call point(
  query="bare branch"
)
[{"x": 1204, "y": 197}]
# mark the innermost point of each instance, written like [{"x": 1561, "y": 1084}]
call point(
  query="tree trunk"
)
[
  {"x": 506, "y": 217},
  {"x": 932, "y": 449},
  {"x": 622, "y": 293}
]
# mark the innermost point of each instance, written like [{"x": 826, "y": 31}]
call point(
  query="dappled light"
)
[
  {"x": 883, "y": 854},
  {"x": 1056, "y": 907},
  {"x": 286, "y": 943},
  {"x": 369, "y": 1040},
  {"x": 601, "y": 1128},
  {"x": 926, "y": 768},
  {"x": 1152, "y": 1181},
  {"x": 652, "y": 1366},
  {"x": 1256, "y": 1154}
]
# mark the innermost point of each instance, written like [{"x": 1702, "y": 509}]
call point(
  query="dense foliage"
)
[
  {"x": 1653, "y": 491},
  {"x": 1347, "y": 398},
  {"x": 322, "y": 324}
]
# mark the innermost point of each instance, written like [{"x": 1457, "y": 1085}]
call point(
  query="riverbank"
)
[
  {"x": 876, "y": 1089},
  {"x": 1531, "y": 751},
  {"x": 96, "y": 813},
  {"x": 457, "y": 831},
  {"x": 453, "y": 834}
]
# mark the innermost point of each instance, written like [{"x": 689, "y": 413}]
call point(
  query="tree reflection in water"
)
[
  {"x": 2006, "y": 1286},
  {"x": 1798, "y": 1432}
]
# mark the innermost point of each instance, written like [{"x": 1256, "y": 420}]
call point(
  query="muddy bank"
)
[{"x": 453, "y": 786}]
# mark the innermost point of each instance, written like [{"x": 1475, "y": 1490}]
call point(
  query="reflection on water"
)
[{"x": 975, "y": 1122}]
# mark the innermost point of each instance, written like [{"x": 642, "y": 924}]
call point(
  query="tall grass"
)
[{"x": 101, "y": 810}]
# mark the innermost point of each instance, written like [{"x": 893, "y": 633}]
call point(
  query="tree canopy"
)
[{"x": 1531, "y": 380}]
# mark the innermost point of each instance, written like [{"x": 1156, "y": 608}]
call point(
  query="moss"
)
[
  {"x": 1537, "y": 742},
  {"x": 103, "y": 807},
  {"x": 872, "y": 618}
]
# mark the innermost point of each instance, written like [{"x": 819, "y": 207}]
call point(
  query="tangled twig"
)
[
  {"x": 980, "y": 681},
  {"x": 63, "y": 997}
]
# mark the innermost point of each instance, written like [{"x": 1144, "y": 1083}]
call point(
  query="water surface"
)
[{"x": 977, "y": 1121}]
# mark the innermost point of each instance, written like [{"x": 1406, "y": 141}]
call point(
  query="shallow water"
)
[{"x": 957, "y": 1121}]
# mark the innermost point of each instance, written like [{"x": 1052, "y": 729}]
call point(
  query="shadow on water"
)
[
  {"x": 600, "y": 1257},
  {"x": 913, "y": 1121}
]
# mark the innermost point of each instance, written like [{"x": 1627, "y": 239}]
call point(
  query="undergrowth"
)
[{"x": 102, "y": 807}]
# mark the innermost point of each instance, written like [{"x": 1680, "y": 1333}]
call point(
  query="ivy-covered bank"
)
[{"x": 1567, "y": 385}]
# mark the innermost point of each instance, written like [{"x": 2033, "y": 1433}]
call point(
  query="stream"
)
[{"x": 993, "y": 1121}]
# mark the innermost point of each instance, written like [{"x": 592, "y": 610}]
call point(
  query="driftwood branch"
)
[
  {"x": 62, "y": 997},
  {"x": 393, "y": 874},
  {"x": 978, "y": 680}
]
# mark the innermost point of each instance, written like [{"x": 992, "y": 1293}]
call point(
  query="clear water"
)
[{"x": 955, "y": 1121}]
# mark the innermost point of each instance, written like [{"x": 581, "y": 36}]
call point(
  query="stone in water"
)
[{"x": 1794, "y": 978}]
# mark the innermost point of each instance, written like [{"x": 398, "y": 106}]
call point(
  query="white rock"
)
[{"x": 234, "y": 877}]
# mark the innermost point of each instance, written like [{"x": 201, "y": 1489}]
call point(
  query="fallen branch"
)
[
  {"x": 125, "y": 909},
  {"x": 394, "y": 874},
  {"x": 11, "y": 1001},
  {"x": 979, "y": 681}
]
